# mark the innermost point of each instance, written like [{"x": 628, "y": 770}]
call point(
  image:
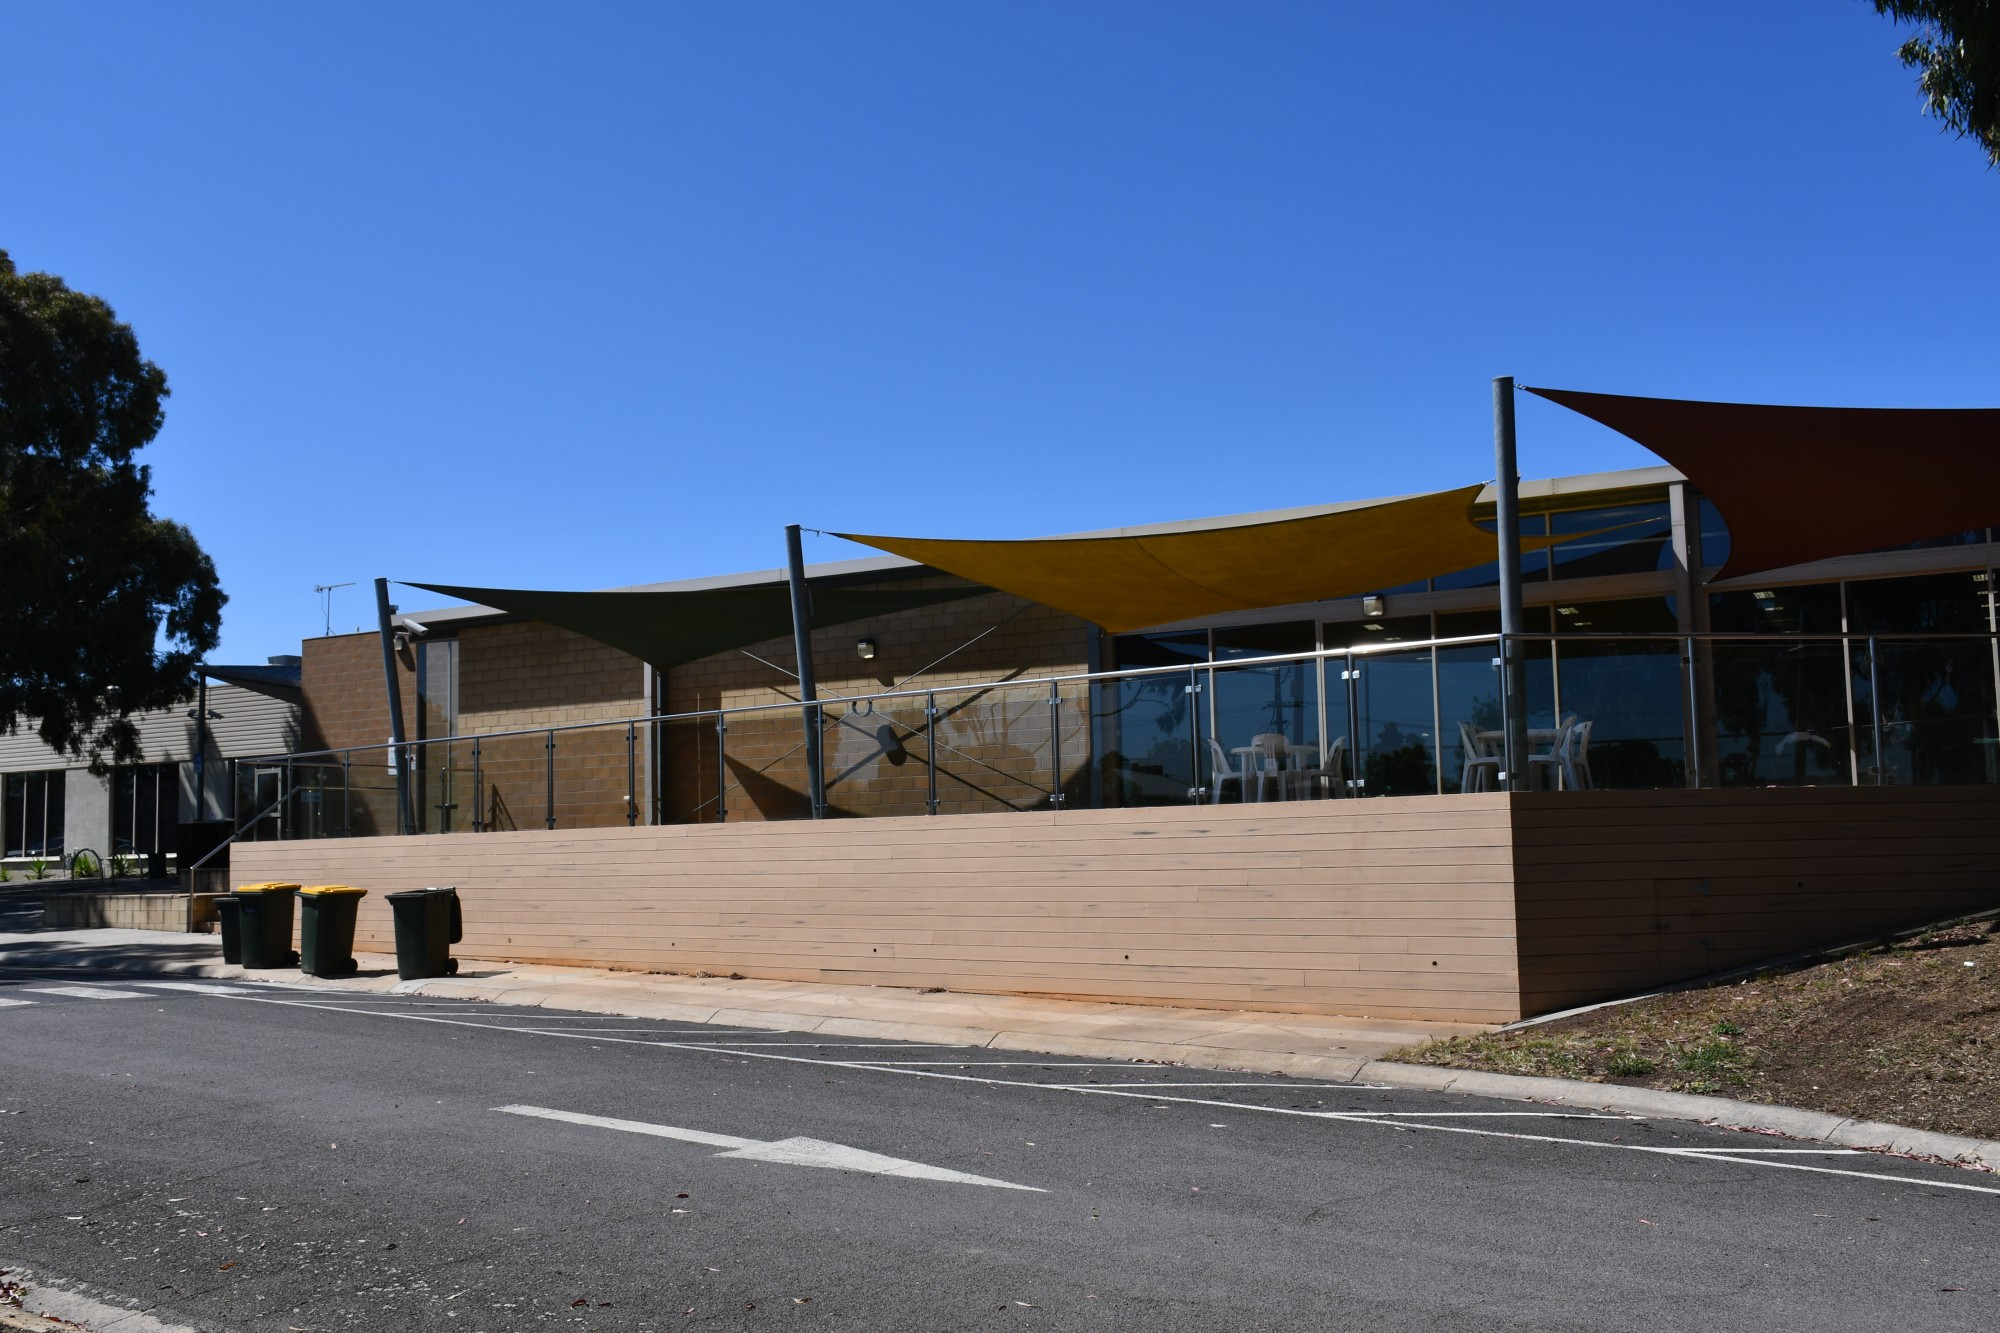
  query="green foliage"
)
[
  {"x": 84, "y": 866},
  {"x": 38, "y": 869},
  {"x": 105, "y": 610},
  {"x": 5, "y": 874},
  {"x": 123, "y": 866},
  {"x": 1724, "y": 1028},
  {"x": 1957, "y": 51},
  {"x": 1629, "y": 1064}
]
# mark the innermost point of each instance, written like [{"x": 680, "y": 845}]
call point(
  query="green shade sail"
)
[{"x": 669, "y": 628}]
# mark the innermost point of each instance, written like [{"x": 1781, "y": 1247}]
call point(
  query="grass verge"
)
[{"x": 1908, "y": 1033}]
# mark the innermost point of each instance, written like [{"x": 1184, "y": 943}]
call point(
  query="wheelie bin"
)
[
  {"x": 428, "y": 923},
  {"x": 264, "y": 924},
  {"x": 326, "y": 929},
  {"x": 232, "y": 932}
]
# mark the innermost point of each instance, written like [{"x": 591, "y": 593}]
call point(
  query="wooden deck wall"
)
[
  {"x": 1397, "y": 908},
  {"x": 1620, "y": 891},
  {"x": 1480, "y": 908}
]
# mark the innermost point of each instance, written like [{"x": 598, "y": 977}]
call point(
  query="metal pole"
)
[
  {"x": 1513, "y": 621},
  {"x": 201, "y": 749},
  {"x": 478, "y": 791},
  {"x": 721, "y": 769},
  {"x": 795, "y": 569},
  {"x": 549, "y": 783},
  {"x": 930, "y": 751},
  {"x": 383, "y": 612},
  {"x": 346, "y": 792},
  {"x": 1875, "y": 712},
  {"x": 1694, "y": 716},
  {"x": 1055, "y": 745},
  {"x": 631, "y": 775}
]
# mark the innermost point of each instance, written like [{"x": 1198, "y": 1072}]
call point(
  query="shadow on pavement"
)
[{"x": 173, "y": 952}]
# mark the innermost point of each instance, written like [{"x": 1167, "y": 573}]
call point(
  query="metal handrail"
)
[
  {"x": 238, "y": 832},
  {"x": 1096, "y": 677}
]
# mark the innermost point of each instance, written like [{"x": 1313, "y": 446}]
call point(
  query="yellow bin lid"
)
[
  {"x": 266, "y": 888},
  {"x": 335, "y": 891}
]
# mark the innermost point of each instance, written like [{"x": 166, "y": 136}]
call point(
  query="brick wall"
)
[{"x": 993, "y": 746}]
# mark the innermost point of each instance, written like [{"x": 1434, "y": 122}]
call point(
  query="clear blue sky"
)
[{"x": 588, "y": 295}]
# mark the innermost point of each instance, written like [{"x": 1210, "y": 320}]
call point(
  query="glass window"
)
[
  {"x": 1714, "y": 535},
  {"x": 1144, "y": 728},
  {"x": 1810, "y": 609},
  {"x": 1627, "y": 692},
  {"x": 1930, "y": 701},
  {"x": 145, "y": 809},
  {"x": 1534, "y": 564},
  {"x": 32, "y": 811},
  {"x": 1469, "y": 715},
  {"x": 1621, "y": 539}
]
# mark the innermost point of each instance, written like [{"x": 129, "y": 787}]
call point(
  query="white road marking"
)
[
  {"x": 1356, "y": 1117},
  {"x": 1523, "y": 1115},
  {"x": 9, "y": 1004},
  {"x": 818, "y": 1045},
  {"x": 859, "y": 1063},
  {"x": 87, "y": 992},
  {"x": 1803, "y": 1152},
  {"x": 198, "y": 987},
  {"x": 1288, "y": 1087},
  {"x": 789, "y": 1152},
  {"x": 634, "y": 1127}
]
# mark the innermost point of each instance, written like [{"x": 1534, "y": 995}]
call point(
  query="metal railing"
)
[{"x": 1629, "y": 710}]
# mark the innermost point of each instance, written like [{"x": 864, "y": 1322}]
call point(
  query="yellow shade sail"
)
[{"x": 1126, "y": 582}]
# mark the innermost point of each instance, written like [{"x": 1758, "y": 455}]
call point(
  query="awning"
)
[
  {"x": 1797, "y": 484},
  {"x": 671, "y": 627},
  {"x": 1133, "y": 581}
]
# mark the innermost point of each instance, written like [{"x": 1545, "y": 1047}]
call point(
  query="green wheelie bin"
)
[
  {"x": 326, "y": 929},
  {"x": 428, "y": 923},
  {"x": 264, "y": 921},
  {"x": 226, "y": 908}
]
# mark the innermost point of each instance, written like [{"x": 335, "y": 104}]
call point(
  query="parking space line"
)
[
  {"x": 9, "y": 1004},
  {"x": 88, "y": 992},
  {"x": 1718, "y": 1154}
]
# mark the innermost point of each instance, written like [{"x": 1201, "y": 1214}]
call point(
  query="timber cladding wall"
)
[
  {"x": 1397, "y": 908},
  {"x": 1620, "y": 891}
]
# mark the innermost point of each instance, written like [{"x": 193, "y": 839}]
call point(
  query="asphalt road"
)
[{"x": 240, "y": 1157}]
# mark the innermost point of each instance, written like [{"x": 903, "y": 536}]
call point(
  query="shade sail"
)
[
  {"x": 668, "y": 628},
  {"x": 1126, "y": 582},
  {"x": 1797, "y": 484}
]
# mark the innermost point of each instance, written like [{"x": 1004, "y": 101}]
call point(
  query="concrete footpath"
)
[{"x": 1301, "y": 1045}]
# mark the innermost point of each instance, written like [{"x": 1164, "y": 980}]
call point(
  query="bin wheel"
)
[{"x": 451, "y": 967}]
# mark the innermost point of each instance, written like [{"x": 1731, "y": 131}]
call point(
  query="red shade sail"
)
[{"x": 1797, "y": 484}]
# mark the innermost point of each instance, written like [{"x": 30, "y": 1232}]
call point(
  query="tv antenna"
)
[{"x": 325, "y": 591}]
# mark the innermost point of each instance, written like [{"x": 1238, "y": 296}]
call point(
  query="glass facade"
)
[
  {"x": 31, "y": 814},
  {"x": 145, "y": 809}
]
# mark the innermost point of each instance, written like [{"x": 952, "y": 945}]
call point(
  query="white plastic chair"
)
[
  {"x": 1225, "y": 768},
  {"x": 1482, "y": 766}
]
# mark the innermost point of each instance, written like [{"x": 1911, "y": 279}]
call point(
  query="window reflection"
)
[
  {"x": 1932, "y": 703},
  {"x": 1144, "y": 727},
  {"x": 1627, "y": 692},
  {"x": 1619, "y": 539},
  {"x": 1534, "y": 564}
]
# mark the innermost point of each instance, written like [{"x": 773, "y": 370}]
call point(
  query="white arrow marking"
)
[{"x": 792, "y": 1152}]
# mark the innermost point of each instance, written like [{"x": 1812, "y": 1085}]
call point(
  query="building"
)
[{"x": 52, "y": 806}]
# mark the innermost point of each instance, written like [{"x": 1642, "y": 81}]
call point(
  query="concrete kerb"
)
[
  {"x": 1791, "y": 1122},
  {"x": 604, "y": 993}
]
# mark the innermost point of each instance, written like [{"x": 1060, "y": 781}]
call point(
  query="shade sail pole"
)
[
  {"x": 795, "y": 570},
  {"x": 398, "y": 756},
  {"x": 1513, "y": 621}
]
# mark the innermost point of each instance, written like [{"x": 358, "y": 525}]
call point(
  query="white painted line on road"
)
[
  {"x": 9, "y": 1004},
  {"x": 1802, "y": 1152},
  {"x": 87, "y": 992},
  {"x": 1288, "y": 1087},
  {"x": 788, "y": 1152},
  {"x": 941, "y": 1064},
  {"x": 1523, "y": 1115},
  {"x": 1356, "y": 1117},
  {"x": 198, "y": 987},
  {"x": 816, "y": 1045}
]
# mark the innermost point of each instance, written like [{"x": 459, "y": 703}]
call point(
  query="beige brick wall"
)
[{"x": 993, "y": 747}]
